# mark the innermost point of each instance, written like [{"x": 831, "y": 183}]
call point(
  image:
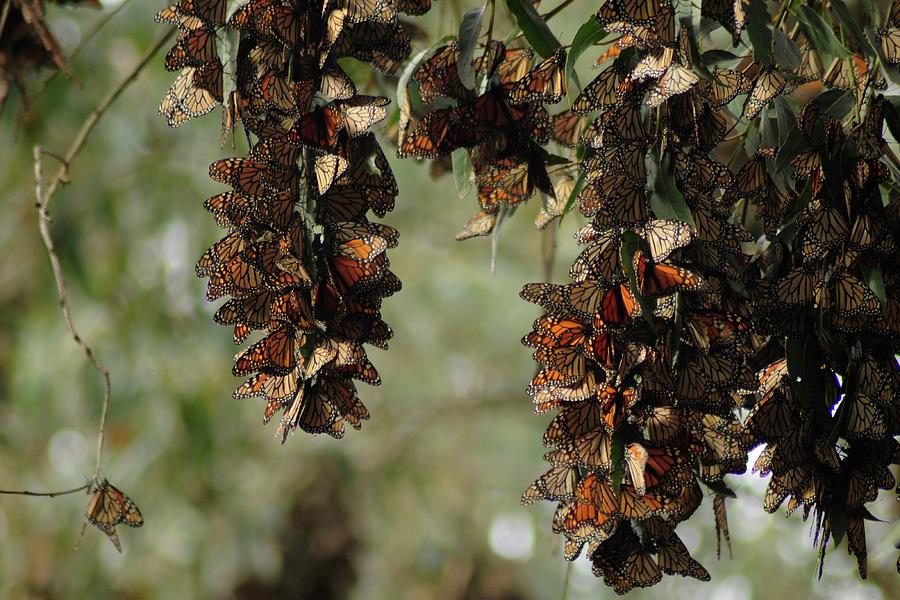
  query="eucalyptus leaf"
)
[
  {"x": 588, "y": 34},
  {"x": 469, "y": 32},
  {"x": 720, "y": 57},
  {"x": 787, "y": 54},
  {"x": 534, "y": 27},
  {"x": 852, "y": 26},
  {"x": 631, "y": 243},
  {"x": 820, "y": 34},
  {"x": 462, "y": 172},
  {"x": 758, "y": 20},
  {"x": 666, "y": 199},
  {"x": 573, "y": 197}
]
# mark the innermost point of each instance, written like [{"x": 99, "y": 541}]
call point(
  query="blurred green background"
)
[{"x": 423, "y": 503}]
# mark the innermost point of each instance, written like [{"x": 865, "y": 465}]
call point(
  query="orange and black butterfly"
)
[
  {"x": 110, "y": 507},
  {"x": 440, "y": 132},
  {"x": 658, "y": 279},
  {"x": 545, "y": 83},
  {"x": 194, "y": 48},
  {"x": 319, "y": 128}
]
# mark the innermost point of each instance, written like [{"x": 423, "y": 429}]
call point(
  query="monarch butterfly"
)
[
  {"x": 510, "y": 64},
  {"x": 518, "y": 178},
  {"x": 439, "y": 76},
  {"x": 556, "y": 484},
  {"x": 848, "y": 296},
  {"x": 601, "y": 93},
  {"x": 544, "y": 84},
  {"x": 769, "y": 84},
  {"x": 194, "y": 48},
  {"x": 729, "y": 14},
  {"x": 824, "y": 229},
  {"x": 110, "y": 507},
  {"x": 724, "y": 87},
  {"x": 664, "y": 237},
  {"x": 566, "y": 128},
  {"x": 658, "y": 279},
  {"x": 440, "y": 132},
  {"x": 413, "y": 7},
  {"x": 810, "y": 68},
  {"x": 671, "y": 553},
  {"x": 635, "y": 463},
  {"x": 481, "y": 224},
  {"x": 619, "y": 125},
  {"x": 632, "y": 12},
  {"x": 616, "y": 403},
  {"x": 600, "y": 260},
  {"x": 614, "y": 306},
  {"x": 624, "y": 563},
  {"x": 494, "y": 108},
  {"x": 194, "y": 93},
  {"x": 328, "y": 168},
  {"x": 710, "y": 329},
  {"x": 654, "y": 65}
]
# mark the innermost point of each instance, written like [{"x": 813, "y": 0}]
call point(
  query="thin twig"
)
[
  {"x": 91, "y": 122},
  {"x": 46, "y": 494},
  {"x": 98, "y": 26},
  {"x": 43, "y": 196},
  {"x": 44, "y": 224},
  {"x": 4, "y": 15}
]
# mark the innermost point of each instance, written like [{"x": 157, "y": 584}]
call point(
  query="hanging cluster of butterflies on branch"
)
[
  {"x": 739, "y": 282},
  {"x": 304, "y": 269}
]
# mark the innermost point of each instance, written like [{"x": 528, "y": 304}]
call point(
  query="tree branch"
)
[
  {"x": 43, "y": 196},
  {"x": 46, "y": 494},
  {"x": 91, "y": 122}
]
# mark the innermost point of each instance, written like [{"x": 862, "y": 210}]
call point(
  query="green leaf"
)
[
  {"x": 534, "y": 27},
  {"x": 803, "y": 361},
  {"x": 892, "y": 117},
  {"x": 504, "y": 213},
  {"x": 588, "y": 34},
  {"x": 235, "y": 6},
  {"x": 469, "y": 31},
  {"x": 820, "y": 34},
  {"x": 786, "y": 52},
  {"x": 719, "y": 488},
  {"x": 758, "y": 20},
  {"x": 838, "y": 520},
  {"x": 791, "y": 147},
  {"x": 786, "y": 119},
  {"x": 836, "y": 103},
  {"x": 462, "y": 172},
  {"x": 720, "y": 57},
  {"x": 666, "y": 199},
  {"x": 579, "y": 183},
  {"x": 852, "y": 26},
  {"x": 696, "y": 57},
  {"x": 875, "y": 281},
  {"x": 631, "y": 243},
  {"x": 403, "y": 98}
]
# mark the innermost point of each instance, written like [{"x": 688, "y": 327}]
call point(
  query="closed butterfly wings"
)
[{"x": 110, "y": 507}]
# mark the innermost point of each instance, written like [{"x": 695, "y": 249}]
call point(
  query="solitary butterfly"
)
[{"x": 110, "y": 507}]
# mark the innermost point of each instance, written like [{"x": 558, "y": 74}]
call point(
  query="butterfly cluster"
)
[
  {"x": 301, "y": 262},
  {"x": 829, "y": 444},
  {"x": 502, "y": 123},
  {"x": 650, "y": 354}
]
